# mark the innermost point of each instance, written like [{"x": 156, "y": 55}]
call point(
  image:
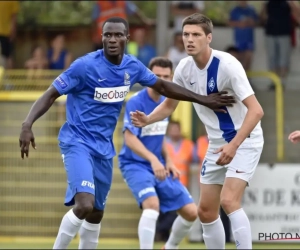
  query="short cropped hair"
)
[
  {"x": 199, "y": 19},
  {"x": 160, "y": 62},
  {"x": 118, "y": 20}
]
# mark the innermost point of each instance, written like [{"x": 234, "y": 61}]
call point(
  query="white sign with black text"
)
[{"x": 272, "y": 202}]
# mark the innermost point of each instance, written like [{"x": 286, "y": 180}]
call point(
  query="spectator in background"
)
[
  {"x": 177, "y": 51},
  {"x": 182, "y": 9},
  {"x": 103, "y": 10},
  {"x": 8, "y": 30},
  {"x": 38, "y": 59},
  {"x": 59, "y": 58},
  {"x": 37, "y": 62},
  {"x": 243, "y": 18},
  {"x": 180, "y": 150},
  {"x": 277, "y": 17},
  {"x": 140, "y": 48}
]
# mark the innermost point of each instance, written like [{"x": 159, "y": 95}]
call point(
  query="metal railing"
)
[{"x": 279, "y": 108}]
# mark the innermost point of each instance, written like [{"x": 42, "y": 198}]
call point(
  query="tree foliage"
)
[{"x": 72, "y": 13}]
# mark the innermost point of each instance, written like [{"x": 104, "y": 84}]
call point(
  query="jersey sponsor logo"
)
[
  {"x": 158, "y": 128},
  {"x": 211, "y": 84},
  {"x": 87, "y": 184},
  {"x": 146, "y": 191},
  {"x": 109, "y": 95},
  {"x": 126, "y": 79},
  {"x": 61, "y": 82}
]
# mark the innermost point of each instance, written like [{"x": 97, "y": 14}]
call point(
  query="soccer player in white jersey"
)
[{"x": 235, "y": 136}]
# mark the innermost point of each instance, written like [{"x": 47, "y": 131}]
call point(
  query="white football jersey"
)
[{"x": 222, "y": 72}]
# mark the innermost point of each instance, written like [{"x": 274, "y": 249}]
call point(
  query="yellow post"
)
[{"x": 279, "y": 108}]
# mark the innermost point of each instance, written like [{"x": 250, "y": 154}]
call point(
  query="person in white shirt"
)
[
  {"x": 235, "y": 136},
  {"x": 177, "y": 51}
]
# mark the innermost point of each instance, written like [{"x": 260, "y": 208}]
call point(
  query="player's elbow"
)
[
  {"x": 258, "y": 112},
  {"x": 128, "y": 138}
]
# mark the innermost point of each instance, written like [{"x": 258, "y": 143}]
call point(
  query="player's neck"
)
[
  {"x": 153, "y": 95},
  {"x": 114, "y": 59},
  {"x": 202, "y": 59}
]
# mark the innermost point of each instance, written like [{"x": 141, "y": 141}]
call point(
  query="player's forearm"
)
[
  {"x": 137, "y": 146},
  {"x": 174, "y": 91},
  {"x": 251, "y": 120},
  {"x": 41, "y": 106},
  {"x": 162, "y": 111}
]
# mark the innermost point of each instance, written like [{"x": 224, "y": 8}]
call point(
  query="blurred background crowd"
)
[{"x": 263, "y": 35}]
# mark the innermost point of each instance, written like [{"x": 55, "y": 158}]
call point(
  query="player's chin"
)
[
  {"x": 113, "y": 51},
  {"x": 191, "y": 53}
]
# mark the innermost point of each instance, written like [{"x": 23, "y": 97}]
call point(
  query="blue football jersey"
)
[
  {"x": 151, "y": 136},
  {"x": 96, "y": 90}
]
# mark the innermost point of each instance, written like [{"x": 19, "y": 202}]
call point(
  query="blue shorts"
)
[
  {"x": 86, "y": 174},
  {"x": 143, "y": 184},
  {"x": 244, "y": 46}
]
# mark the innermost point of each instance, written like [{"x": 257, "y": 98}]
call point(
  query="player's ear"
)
[
  {"x": 209, "y": 38},
  {"x": 127, "y": 38}
]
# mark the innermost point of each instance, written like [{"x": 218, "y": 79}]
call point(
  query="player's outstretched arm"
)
[
  {"x": 213, "y": 101},
  {"x": 39, "y": 108},
  {"x": 175, "y": 93}
]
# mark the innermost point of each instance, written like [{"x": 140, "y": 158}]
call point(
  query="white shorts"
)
[{"x": 242, "y": 166}]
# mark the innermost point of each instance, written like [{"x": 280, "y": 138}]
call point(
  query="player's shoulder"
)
[
  {"x": 89, "y": 58},
  {"x": 185, "y": 63},
  {"x": 130, "y": 58},
  {"x": 225, "y": 59}
]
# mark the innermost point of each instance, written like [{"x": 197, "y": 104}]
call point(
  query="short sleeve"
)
[
  {"x": 72, "y": 80},
  {"x": 177, "y": 78},
  {"x": 131, "y": 105},
  {"x": 238, "y": 80},
  {"x": 145, "y": 77},
  {"x": 130, "y": 8}
]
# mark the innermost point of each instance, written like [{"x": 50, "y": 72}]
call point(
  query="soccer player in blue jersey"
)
[
  {"x": 148, "y": 170},
  {"x": 96, "y": 86}
]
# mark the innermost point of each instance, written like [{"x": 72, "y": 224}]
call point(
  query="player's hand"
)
[
  {"x": 294, "y": 137},
  {"x": 171, "y": 169},
  {"x": 139, "y": 119},
  {"x": 227, "y": 153},
  {"x": 26, "y": 137},
  {"x": 217, "y": 101},
  {"x": 158, "y": 169}
]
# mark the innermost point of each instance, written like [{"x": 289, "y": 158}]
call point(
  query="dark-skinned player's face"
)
[{"x": 114, "y": 38}]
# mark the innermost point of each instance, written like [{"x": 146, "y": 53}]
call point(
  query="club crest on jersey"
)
[
  {"x": 126, "y": 79},
  {"x": 211, "y": 84}
]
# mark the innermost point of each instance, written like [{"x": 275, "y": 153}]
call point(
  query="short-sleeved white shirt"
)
[{"x": 222, "y": 72}]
